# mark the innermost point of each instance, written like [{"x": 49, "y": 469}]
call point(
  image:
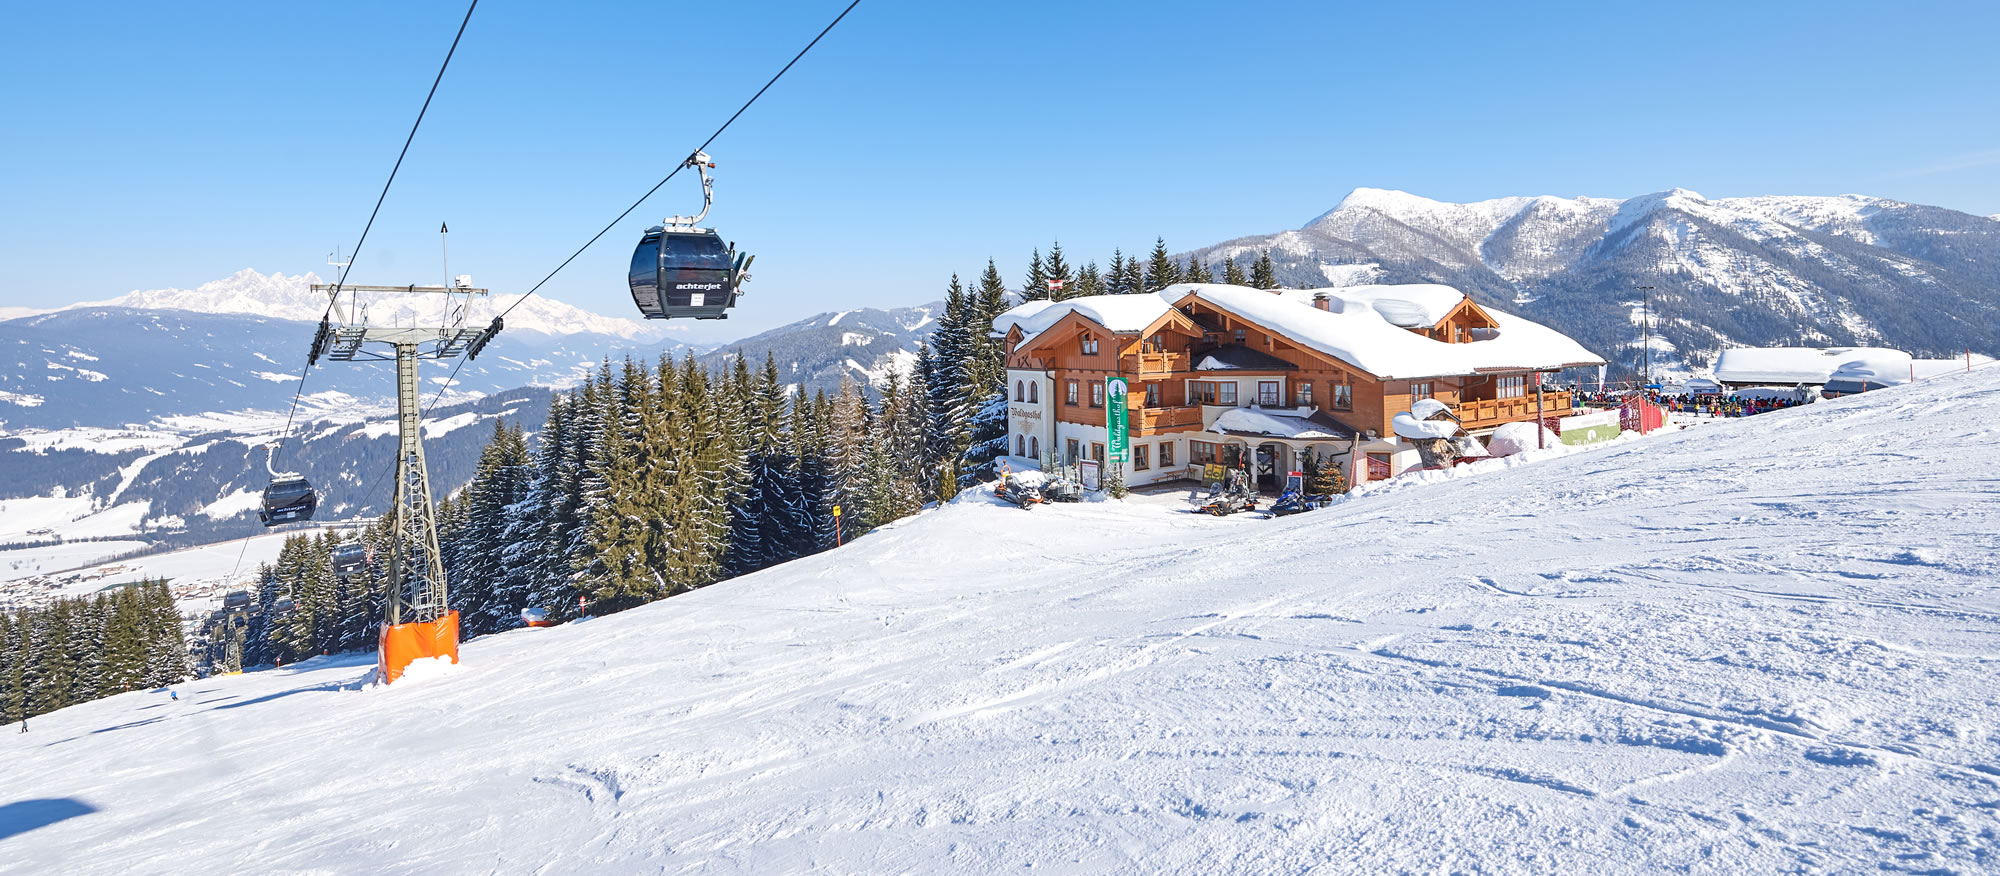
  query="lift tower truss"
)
[{"x": 417, "y": 603}]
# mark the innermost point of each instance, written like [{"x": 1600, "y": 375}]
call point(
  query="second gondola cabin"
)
[{"x": 289, "y": 498}]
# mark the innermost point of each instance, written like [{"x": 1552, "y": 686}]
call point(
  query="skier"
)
[
  {"x": 24, "y": 725},
  {"x": 174, "y": 695}
]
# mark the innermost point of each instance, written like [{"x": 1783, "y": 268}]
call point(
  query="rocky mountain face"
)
[{"x": 1847, "y": 270}]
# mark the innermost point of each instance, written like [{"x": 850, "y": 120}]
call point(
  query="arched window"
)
[
  {"x": 1017, "y": 391},
  {"x": 1020, "y": 445},
  {"x": 1035, "y": 392},
  {"x": 1034, "y": 446}
]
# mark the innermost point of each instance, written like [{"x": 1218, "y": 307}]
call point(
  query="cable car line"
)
[
  {"x": 678, "y": 168},
  {"x": 649, "y": 192}
]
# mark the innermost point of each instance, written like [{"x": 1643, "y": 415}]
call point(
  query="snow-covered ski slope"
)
[{"x": 1764, "y": 645}]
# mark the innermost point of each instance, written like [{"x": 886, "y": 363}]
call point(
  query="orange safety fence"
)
[{"x": 402, "y": 643}]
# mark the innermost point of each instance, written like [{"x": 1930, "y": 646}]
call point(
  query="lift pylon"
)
[{"x": 419, "y": 620}]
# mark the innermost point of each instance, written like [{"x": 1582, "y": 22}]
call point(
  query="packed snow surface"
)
[{"x": 1758, "y": 645}]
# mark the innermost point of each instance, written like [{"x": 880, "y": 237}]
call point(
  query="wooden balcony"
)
[
  {"x": 1482, "y": 413},
  {"x": 1162, "y": 363},
  {"x": 1145, "y": 420}
]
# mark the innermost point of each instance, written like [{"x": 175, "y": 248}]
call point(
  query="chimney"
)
[{"x": 1322, "y": 301}]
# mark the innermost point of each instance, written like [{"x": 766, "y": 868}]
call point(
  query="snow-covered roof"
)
[
  {"x": 1817, "y": 365},
  {"x": 1409, "y": 305},
  {"x": 1257, "y": 421},
  {"x": 1364, "y": 337},
  {"x": 1116, "y": 313}
]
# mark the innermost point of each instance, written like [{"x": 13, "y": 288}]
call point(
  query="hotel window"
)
[
  {"x": 1019, "y": 393},
  {"x": 1343, "y": 397},
  {"x": 1211, "y": 392},
  {"x": 1072, "y": 394},
  {"x": 1155, "y": 344},
  {"x": 1420, "y": 390},
  {"x": 1089, "y": 345},
  {"x": 1020, "y": 445},
  {"x": 1152, "y": 395},
  {"x": 1305, "y": 394},
  {"x": 1034, "y": 392},
  {"x": 1071, "y": 456},
  {"x": 1096, "y": 451},
  {"x": 1034, "y": 447},
  {"x": 1242, "y": 336},
  {"x": 1268, "y": 395},
  {"x": 1139, "y": 462},
  {"x": 1096, "y": 394},
  {"x": 1166, "y": 454},
  {"x": 1200, "y": 453},
  {"x": 1513, "y": 387}
]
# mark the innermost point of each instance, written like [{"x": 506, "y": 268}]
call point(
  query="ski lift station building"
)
[{"x": 1221, "y": 373}]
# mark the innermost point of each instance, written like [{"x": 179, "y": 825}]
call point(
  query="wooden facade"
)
[{"x": 1170, "y": 388}]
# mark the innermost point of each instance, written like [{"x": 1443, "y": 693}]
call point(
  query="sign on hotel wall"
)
[{"x": 1119, "y": 444}]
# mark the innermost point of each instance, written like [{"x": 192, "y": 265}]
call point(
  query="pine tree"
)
[
  {"x": 984, "y": 386},
  {"x": 1056, "y": 274},
  {"x": 1197, "y": 272},
  {"x": 1232, "y": 274},
  {"x": 1089, "y": 281},
  {"x": 1036, "y": 287},
  {"x": 850, "y": 442},
  {"x": 1114, "y": 279},
  {"x": 1132, "y": 281},
  {"x": 1161, "y": 270},
  {"x": 1262, "y": 274}
]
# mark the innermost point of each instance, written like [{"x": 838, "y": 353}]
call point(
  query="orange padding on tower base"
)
[{"x": 403, "y": 643}]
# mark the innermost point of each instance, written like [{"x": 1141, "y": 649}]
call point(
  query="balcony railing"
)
[
  {"x": 1145, "y": 419},
  {"x": 1494, "y": 411},
  {"x": 1162, "y": 363}
]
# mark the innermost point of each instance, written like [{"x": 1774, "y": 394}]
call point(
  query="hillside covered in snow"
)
[
  {"x": 1849, "y": 270},
  {"x": 1759, "y": 645}
]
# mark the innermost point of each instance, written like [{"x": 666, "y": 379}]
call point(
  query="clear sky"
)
[{"x": 149, "y": 145}]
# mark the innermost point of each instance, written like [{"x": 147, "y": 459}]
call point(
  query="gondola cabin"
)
[
  {"x": 350, "y": 559},
  {"x": 685, "y": 274},
  {"x": 536, "y": 617},
  {"x": 236, "y": 599},
  {"x": 288, "y": 499}
]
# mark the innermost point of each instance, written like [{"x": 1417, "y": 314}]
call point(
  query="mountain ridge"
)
[{"x": 1749, "y": 271}]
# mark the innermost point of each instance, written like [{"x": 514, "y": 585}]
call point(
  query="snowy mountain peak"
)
[{"x": 282, "y": 296}]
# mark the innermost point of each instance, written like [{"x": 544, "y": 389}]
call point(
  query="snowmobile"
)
[
  {"x": 1013, "y": 489},
  {"x": 1227, "y": 503},
  {"x": 1062, "y": 488},
  {"x": 1292, "y": 502},
  {"x": 1225, "y": 498}
]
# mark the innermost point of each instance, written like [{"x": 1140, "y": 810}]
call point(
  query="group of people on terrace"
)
[{"x": 1695, "y": 404}]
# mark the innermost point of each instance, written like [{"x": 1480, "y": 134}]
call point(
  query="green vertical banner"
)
[{"x": 1115, "y": 420}]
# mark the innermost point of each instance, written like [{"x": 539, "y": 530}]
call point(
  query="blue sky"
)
[{"x": 152, "y": 145}]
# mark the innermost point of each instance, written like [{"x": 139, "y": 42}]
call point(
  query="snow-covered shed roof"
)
[
  {"x": 1116, "y": 313},
  {"x": 1257, "y": 421},
  {"x": 1408, "y": 305},
  {"x": 1364, "y": 337},
  {"x": 1816, "y": 365}
]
